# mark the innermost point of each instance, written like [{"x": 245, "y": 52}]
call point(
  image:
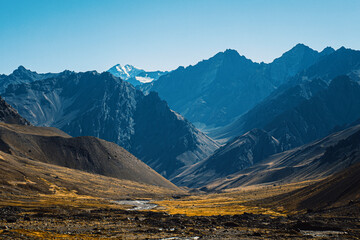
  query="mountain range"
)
[
  {"x": 262, "y": 113},
  {"x": 21, "y": 75},
  {"x": 104, "y": 106},
  {"x": 328, "y": 108},
  {"x": 90, "y": 154},
  {"x": 81, "y": 147},
  {"x": 298, "y": 89},
  {"x": 214, "y": 92}
]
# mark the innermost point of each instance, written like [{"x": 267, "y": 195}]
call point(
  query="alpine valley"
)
[{"x": 225, "y": 149}]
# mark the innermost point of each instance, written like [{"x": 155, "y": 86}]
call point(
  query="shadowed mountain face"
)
[
  {"x": 321, "y": 109},
  {"x": 216, "y": 91},
  {"x": 280, "y": 101},
  {"x": 101, "y": 105},
  {"x": 9, "y": 115},
  {"x": 240, "y": 153},
  {"x": 213, "y": 90},
  {"x": 337, "y": 105},
  {"x": 305, "y": 85},
  {"x": 303, "y": 113},
  {"x": 341, "y": 62},
  {"x": 294, "y": 61},
  {"x": 315, "y": 160}
]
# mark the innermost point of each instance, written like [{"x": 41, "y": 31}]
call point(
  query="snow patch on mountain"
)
[{"x": 144, "y": 79}]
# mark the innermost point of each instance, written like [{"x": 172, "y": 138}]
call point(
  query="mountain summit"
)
[
  {"x": 125, "y": 72},
  {"x": 135, "y": 75},
  {"x": 216, "y": 91}
]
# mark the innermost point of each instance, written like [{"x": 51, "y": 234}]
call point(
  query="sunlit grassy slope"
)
[{"x": 238, "y": 201}]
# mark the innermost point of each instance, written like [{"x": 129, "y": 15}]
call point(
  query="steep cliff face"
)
[
  {"x": 104, "y": 106},
  {"x": 157, "y": 127},
  {"x": 9, "y": 115}
]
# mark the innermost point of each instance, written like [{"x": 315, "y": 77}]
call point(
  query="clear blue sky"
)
[{"x": 80, "y": 35}]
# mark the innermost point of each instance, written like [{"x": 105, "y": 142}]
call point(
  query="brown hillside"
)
[
  {"x": 89, "y": 154},
  {"x": 22, "y": 178}
]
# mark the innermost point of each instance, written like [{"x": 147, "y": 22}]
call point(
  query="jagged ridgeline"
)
[
  {"x": 104, "y": 106},
  {"x": 216, "y": 91}
]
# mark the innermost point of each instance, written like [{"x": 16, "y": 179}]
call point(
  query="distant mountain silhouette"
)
[
  {"x": 341, "y": 62},
  {"x": 293, "y": 61},
  {"x": 299, "y": 88},
  {"x": 214, "y": 92},
  {"x": 22, "y": 75}
]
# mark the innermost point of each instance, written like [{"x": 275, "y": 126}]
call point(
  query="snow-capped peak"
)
[
  {"x": 125, "y": 72},
  {"x": 134, "y": 75}
]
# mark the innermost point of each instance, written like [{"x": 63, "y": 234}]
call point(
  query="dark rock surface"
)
[
  {"x": 104, "y": 106},
  {"x": 303, "y": 113},
  {"x": 214, "y": 92},
  {"x": 9, "y": 115}
]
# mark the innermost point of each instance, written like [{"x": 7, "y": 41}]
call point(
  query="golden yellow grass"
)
[
  {"x": 61, "y": 186},
  {"x": 232, "y": 202}
]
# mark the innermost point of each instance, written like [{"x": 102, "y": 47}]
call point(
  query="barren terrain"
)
[{"x": 64, "y": 214}]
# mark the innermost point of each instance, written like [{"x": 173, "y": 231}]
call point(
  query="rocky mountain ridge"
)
[{"x": 104, "y": 106}]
